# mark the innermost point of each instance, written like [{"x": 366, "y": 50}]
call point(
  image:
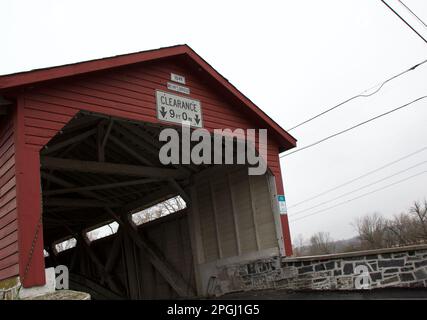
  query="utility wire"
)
[
  {"x": 394, "y": 11},
  {"x": 362, "y": 94},
  {"x": 358, "y": 178},
  {"x": 360, "y": 188},
  {"x": 353, "y": 127},
  {"x": 413, "y": 13},
  {"x": 361, "y": 196}
]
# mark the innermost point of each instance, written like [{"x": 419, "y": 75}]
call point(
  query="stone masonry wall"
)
[{"x": 396, "y": 267}]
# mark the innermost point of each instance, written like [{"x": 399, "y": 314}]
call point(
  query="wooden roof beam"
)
[
  {"x": 111, "y": 168},
  {"x": 99, "y": 186}
]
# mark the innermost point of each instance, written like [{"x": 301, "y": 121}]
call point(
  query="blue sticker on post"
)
[{"x": 282, "y": 204}]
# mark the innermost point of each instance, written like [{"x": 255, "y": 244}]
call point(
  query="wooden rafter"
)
[
  {"x": 69, "y": 141},
  {"x": 110, "y": 168},
  {"x": 99, "y": 186}
]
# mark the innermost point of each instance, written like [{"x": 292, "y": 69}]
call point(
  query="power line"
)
[
  {"x": 361, "y": 196},
  {"x": 394, "y": 11},
  {"x": 353, "y": 127},
  {"x": 362, "y": 94},
  {"x": 360, "y": 188},
  {"x": 358, "y": 178},
  {"x": 413, "y": 13}
]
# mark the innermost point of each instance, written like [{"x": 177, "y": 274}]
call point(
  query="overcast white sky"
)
[{"x": 292, "y": 58}]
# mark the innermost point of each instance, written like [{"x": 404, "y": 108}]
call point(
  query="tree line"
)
[{"x": 373, "y": 232}]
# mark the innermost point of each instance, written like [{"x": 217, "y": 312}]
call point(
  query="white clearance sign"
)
[{"x": 177, "y": 109}]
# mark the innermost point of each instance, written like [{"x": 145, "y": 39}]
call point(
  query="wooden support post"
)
[
  {"x": 195, "y": 238},
  {"x": 107, "y": 134},
  {"x": 104, "y": 274},
  {"x": 115, "y": 252},
  {"x": 235, "y": 220},
  {"x": 156, "y": 258},
  {"x": 252, "y": 196}
]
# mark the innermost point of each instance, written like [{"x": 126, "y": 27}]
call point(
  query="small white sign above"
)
[
  {"x": 177, "y": 78},
  {"x": 177, "y": 109},
  {"x": 178, "y": 88}
]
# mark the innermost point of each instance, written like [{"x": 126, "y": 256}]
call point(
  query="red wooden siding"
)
[
  {"x": 8, "y": 218},
  {"x": 128, "y": 93}
]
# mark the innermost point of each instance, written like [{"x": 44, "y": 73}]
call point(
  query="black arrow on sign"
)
[
  {"x": 163, "y": 112},
  {"x": 197, "y": 119}
]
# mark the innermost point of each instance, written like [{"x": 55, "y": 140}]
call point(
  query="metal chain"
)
[{"x": 31, "y": 253}]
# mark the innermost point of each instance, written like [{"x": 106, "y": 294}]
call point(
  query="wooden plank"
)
[
  {"x": 110, "y": 168},
  {"x": 252, "y": 200},
  {"x": 196, "y": 241},
  {"x": 215, "y": 215},
  {"x": 234, "y": 212}
]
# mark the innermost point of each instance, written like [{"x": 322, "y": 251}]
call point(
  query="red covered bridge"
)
[{"x": 79, "y": 149}]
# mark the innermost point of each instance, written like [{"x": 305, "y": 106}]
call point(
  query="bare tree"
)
[
  {"x": 419, "y": 211},
  {"x": 371, "y": 230},
  {"x": 321, "y": 243},
  {"x": 400, "y": 230},
  {"x": 299, "y": 245},
  {"x": 159, "y": 210}
]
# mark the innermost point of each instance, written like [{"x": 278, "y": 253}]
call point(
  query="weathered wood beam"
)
[
  {"x": 107, "y": 133},
  {"x": 106, "y": 276},
  {"x": 145, "y": 161},
  {"x": 175, "y": 280},
  {"x": 130, "y": 151},
  {"x": 50, "y": 177},
  {"x": 100, "y": 186},
  {"x": 77, "y": 203},
  {"x": 148, "y": 148},
  {"x": 110, "y": 168},
  {"x": 69, "y": 141}
]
